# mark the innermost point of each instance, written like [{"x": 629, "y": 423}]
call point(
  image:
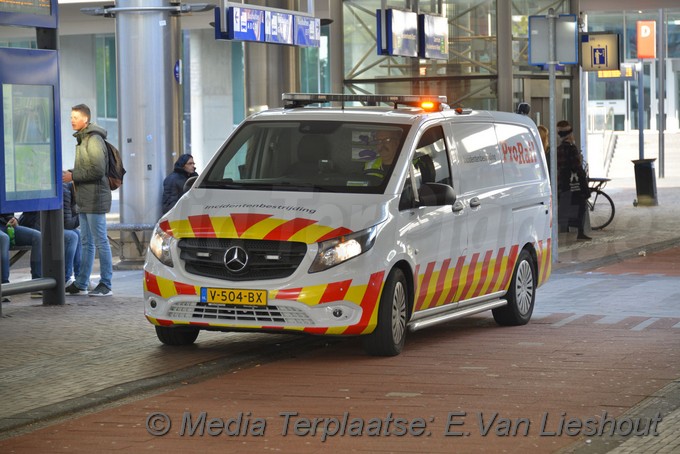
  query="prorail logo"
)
[{"x": 519, "y": 153}]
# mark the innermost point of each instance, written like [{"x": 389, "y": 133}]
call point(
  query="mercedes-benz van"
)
[{"x": 331, "y": 218}]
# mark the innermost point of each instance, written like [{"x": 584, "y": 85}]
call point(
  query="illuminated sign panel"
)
[
  {"x": 307, "y": 31},
  {"x": 600, "y": 52},
  {"x": 245, "y": 24},
  {"x": 265, "y": 25},
  {"x": 407, "y": 34},
  {"x": 627, "y": 72},
  {"x": 433, "y": 39},
  {"x": 29, "y": 13},
  {"x": 646, "y": 39},
  {"x": 401, "y": 33},
  {"x": 278, "y": 27}
]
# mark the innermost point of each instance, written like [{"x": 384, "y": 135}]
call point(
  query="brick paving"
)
[{"x": 85, "y": 377}]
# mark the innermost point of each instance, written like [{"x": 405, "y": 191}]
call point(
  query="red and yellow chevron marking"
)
[
  {"x": 252, "y": 226},
  {"x": 544, "y": 251},
  {"x": 364, "y": 295},
  {"x": 465, "y": 280}
]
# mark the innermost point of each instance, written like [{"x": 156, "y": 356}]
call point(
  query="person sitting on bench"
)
[{"x": 23, "y": 236}]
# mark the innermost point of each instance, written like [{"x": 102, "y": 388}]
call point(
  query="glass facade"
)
[
  {"x": 469, "y": 76},
  {"x": 621, "y": 94},
  {"x": 105, "y": 67}
]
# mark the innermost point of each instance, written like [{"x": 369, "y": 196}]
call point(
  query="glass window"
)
[
  {"x": 478, "y": 156},
  {"x": 324, "y": 156},
  {"x": 105, "y": 67}
]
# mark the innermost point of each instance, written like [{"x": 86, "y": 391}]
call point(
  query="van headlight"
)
[
  {"x": 334, "y": 252},
  {"x": 160, "y": 245}
]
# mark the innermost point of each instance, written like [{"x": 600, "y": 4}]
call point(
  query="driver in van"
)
[{"x": 386, "y": 143}]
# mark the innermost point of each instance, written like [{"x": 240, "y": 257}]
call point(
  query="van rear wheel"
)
[
  {"x": 521, "y": 295},
  {"x": 176, "y": 335},
  {"x": 390, "y": 332}
]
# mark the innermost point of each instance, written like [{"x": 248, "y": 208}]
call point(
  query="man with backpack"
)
[{"x": 93, "y": 197}]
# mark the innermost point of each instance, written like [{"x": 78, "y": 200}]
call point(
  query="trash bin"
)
[{"x": 645, "y": 182}]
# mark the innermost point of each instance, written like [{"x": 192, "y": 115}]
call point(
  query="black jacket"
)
[
  {"x": 31, "y": 219},
  {"x": 173, "y": 187}
]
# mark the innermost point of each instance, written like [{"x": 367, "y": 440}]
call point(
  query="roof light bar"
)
[{"x": 426, "y": 102}]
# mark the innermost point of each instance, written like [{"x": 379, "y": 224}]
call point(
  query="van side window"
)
[
  {"x": 478, "y": 155},
  {"x": 431, "y": 159},
  {"x": 430, "y": 162}
]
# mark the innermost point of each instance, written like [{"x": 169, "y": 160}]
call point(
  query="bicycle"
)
[{"x": 600, "y": 206}]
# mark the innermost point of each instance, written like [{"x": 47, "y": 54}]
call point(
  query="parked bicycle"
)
[{"x": 600, "y": 206}]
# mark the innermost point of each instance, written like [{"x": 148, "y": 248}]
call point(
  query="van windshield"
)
[{"x": 324, "y": 156}]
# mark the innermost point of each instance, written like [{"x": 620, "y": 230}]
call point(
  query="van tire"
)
[
  {"x": 176, "y": 336},
  {"x": 521, "y": 295},
  {"x": 390, "y": 332}
]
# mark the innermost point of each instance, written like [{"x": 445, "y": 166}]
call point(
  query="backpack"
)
[{"x": 116, "y": 171}]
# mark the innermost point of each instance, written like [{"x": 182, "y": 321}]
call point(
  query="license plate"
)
[{"x": 233, "y": 296}]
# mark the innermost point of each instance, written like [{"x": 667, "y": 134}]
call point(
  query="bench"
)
[
  {"x": 132, "y": 228},
  {"x": 16, "y": 252}
]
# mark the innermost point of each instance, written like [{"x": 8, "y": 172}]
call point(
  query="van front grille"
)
[
  {"x": 265, "y": 259},
  {"x": 261, "y": 315}
]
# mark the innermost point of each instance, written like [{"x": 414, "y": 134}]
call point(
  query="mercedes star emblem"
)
[{"x": 236, "y": 259}]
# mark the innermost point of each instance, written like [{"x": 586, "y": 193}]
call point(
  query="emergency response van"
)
[{"x": 348, "y": 219}]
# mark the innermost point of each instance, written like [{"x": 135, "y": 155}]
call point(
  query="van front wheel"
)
[
  {"x": 521, "y": 295},
  {"x": 390, "y": 332},
  {"x": 176, "y": 336}
]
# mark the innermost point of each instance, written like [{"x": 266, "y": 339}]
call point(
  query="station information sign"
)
[
  {"x": 401, "y": 33},
  {"x": 433, "y": 40},
  {"x": 407, "y": 34},
  {"x": 267, "y": 25},
  {"x": 307, "y": 31},
  {"x": 600, "y": 52},
  {"x": 29, "y": 13},
  {"x": 245, "y": 24},
  {"x": 278, "y": 27},
  {"x": 566, "y": 40},
  {"x": 30, "y": 162}
]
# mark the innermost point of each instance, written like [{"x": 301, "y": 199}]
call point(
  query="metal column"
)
[{"x": 145, "y": 93}]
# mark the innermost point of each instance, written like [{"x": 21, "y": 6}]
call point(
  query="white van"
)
[{"x": 300, "y": 223}]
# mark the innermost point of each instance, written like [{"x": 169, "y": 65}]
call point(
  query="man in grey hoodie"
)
[{"x": 93, "y": 196}]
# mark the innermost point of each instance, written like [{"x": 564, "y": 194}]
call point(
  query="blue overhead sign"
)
[
  {"x": 407, "y": 34},
  {"x": 245, "y": 24},
  {"x": 307, "y": 31},
  {"x": 566, "y": 40},
  {"x": 433, "y": 41},
  {"x": 401, "y": 33},
  {"x": 278, "y": 27},
  {"x": 267, "y": 25}
]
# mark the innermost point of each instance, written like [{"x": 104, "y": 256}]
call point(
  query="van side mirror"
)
[
  {"x": 189, "y": 183},
  {"x": 436, "y": 194}
]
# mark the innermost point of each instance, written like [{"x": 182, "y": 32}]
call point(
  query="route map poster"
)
[{"x": 28, "y": 138}]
